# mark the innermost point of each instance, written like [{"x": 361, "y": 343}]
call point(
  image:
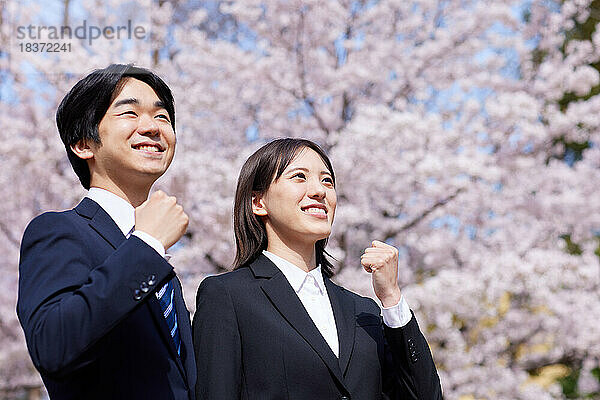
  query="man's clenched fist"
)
[{"x": 161, "y": 217}]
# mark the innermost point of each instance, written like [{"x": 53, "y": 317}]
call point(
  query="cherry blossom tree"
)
[{"x": 444, "y": 123}]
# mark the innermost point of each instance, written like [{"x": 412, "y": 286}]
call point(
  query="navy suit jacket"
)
[
  {"x": 254, "y": 340},
  {"x": 87, "y": 304}
]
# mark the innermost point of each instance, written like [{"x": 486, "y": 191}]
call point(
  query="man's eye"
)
[
  {"x": 163, "y": 116},
  {"x": 130, "y": 112}
]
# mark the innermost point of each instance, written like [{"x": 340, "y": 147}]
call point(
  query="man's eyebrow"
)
[{"x": 133, "y": 100}]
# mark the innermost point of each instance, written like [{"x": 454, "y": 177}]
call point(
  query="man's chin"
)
[{"x": 147, "y": 176}]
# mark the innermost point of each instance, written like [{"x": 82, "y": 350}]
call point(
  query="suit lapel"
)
[
  {"x": 285, "y": 300},
  {"x": 106, "y": 227},
  {"x": 345, "y": 321},
  {"x": 183, "y": 320},
  {"x": 100, "y": 221}
]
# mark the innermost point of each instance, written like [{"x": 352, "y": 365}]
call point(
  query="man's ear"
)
[
  {"x": 258, "y": 205},
  {"x": 82, "y": 149}
]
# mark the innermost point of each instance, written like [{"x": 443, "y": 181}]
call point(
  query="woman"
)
[{"x": 277, "y": 327}]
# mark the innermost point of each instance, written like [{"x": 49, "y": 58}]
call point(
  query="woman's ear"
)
[
  {"x": 82, "y": 149},
  {"x": 258, "y": 205}
]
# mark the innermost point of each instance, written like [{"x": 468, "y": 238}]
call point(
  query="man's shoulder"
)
[
  {"x": 51, "y": 218},
  {"x": 53, "y": 222}
]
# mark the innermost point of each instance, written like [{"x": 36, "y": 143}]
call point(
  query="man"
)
[{"x": 102, "y": 309}]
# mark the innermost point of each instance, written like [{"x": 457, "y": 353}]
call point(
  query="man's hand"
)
[
  {"x": 381, "y": 260},
  {"x": 161, "y": 217}
]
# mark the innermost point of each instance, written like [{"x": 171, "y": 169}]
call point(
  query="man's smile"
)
[{"x": 149, "y": 147}]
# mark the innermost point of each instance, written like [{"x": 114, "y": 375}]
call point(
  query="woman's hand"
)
[{"x": 381, "y": 260}]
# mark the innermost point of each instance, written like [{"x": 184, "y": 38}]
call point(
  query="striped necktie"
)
[{"x": 165, "y": 298}]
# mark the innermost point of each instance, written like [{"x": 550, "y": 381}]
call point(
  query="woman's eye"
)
[
  {"x": 163, "y": 116},
  {"x": 130, "y": 112},
  {"x": 328, "y": 180},
  {"x": 299, "y": 175}
]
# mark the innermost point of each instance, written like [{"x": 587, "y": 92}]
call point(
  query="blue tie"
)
[{"x": 165, "y": 298}]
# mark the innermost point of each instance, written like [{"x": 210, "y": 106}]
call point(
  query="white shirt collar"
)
[
  {"x": 296, "y": 276},
  {"x": 116, "y": 207}
]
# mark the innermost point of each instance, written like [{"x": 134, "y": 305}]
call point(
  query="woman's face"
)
[{"x": 300, "y": 205}]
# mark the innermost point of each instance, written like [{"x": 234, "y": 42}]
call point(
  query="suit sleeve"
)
[
  {"x": 409, "y": 371},
  {"x": 217, "y": 343},
  {"x": 66, "y": 304}
]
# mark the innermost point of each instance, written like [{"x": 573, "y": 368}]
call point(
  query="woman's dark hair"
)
[
  {"x": 258, "y": 172},
  {"x": 82, "y": 109}
]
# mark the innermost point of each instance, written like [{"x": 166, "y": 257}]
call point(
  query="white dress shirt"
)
[
  {"x": 310, "y": 288},
  {"x": 123, "y": 214}
]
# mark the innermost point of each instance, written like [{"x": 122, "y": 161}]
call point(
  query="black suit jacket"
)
[
  {"x": 93, "y": 325},
  {"x": 254, "y": 340}
]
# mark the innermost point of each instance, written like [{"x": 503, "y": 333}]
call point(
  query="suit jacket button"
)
[
  {"x": 137, "y": 294},
  {"x": 144, "y": 287},
  {"x": 152, "y": 280},
  {"x": 344, "y": 398}
]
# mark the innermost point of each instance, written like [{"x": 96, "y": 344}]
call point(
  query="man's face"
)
[{"x": 137, "y": 138}]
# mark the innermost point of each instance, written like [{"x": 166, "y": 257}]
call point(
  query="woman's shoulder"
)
[
  {"x": 361, "y": 303},
  {"x": 224, "y": 287},
  {"x": 239, "y": 276}
]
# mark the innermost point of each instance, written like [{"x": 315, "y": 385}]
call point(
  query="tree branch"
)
[
  {"x": 440, "y": 203},
  {"x": 302, "y": 75},
  {"x": 9, "y": 235},
  {"x": 217, "y": 266}
]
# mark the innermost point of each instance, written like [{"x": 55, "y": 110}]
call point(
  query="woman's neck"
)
[{"x": 301, "y": 255}]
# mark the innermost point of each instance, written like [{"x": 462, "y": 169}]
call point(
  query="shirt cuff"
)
[
  {"x": 152, "y": 242},
  {"x": 397, "y": 316}
]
